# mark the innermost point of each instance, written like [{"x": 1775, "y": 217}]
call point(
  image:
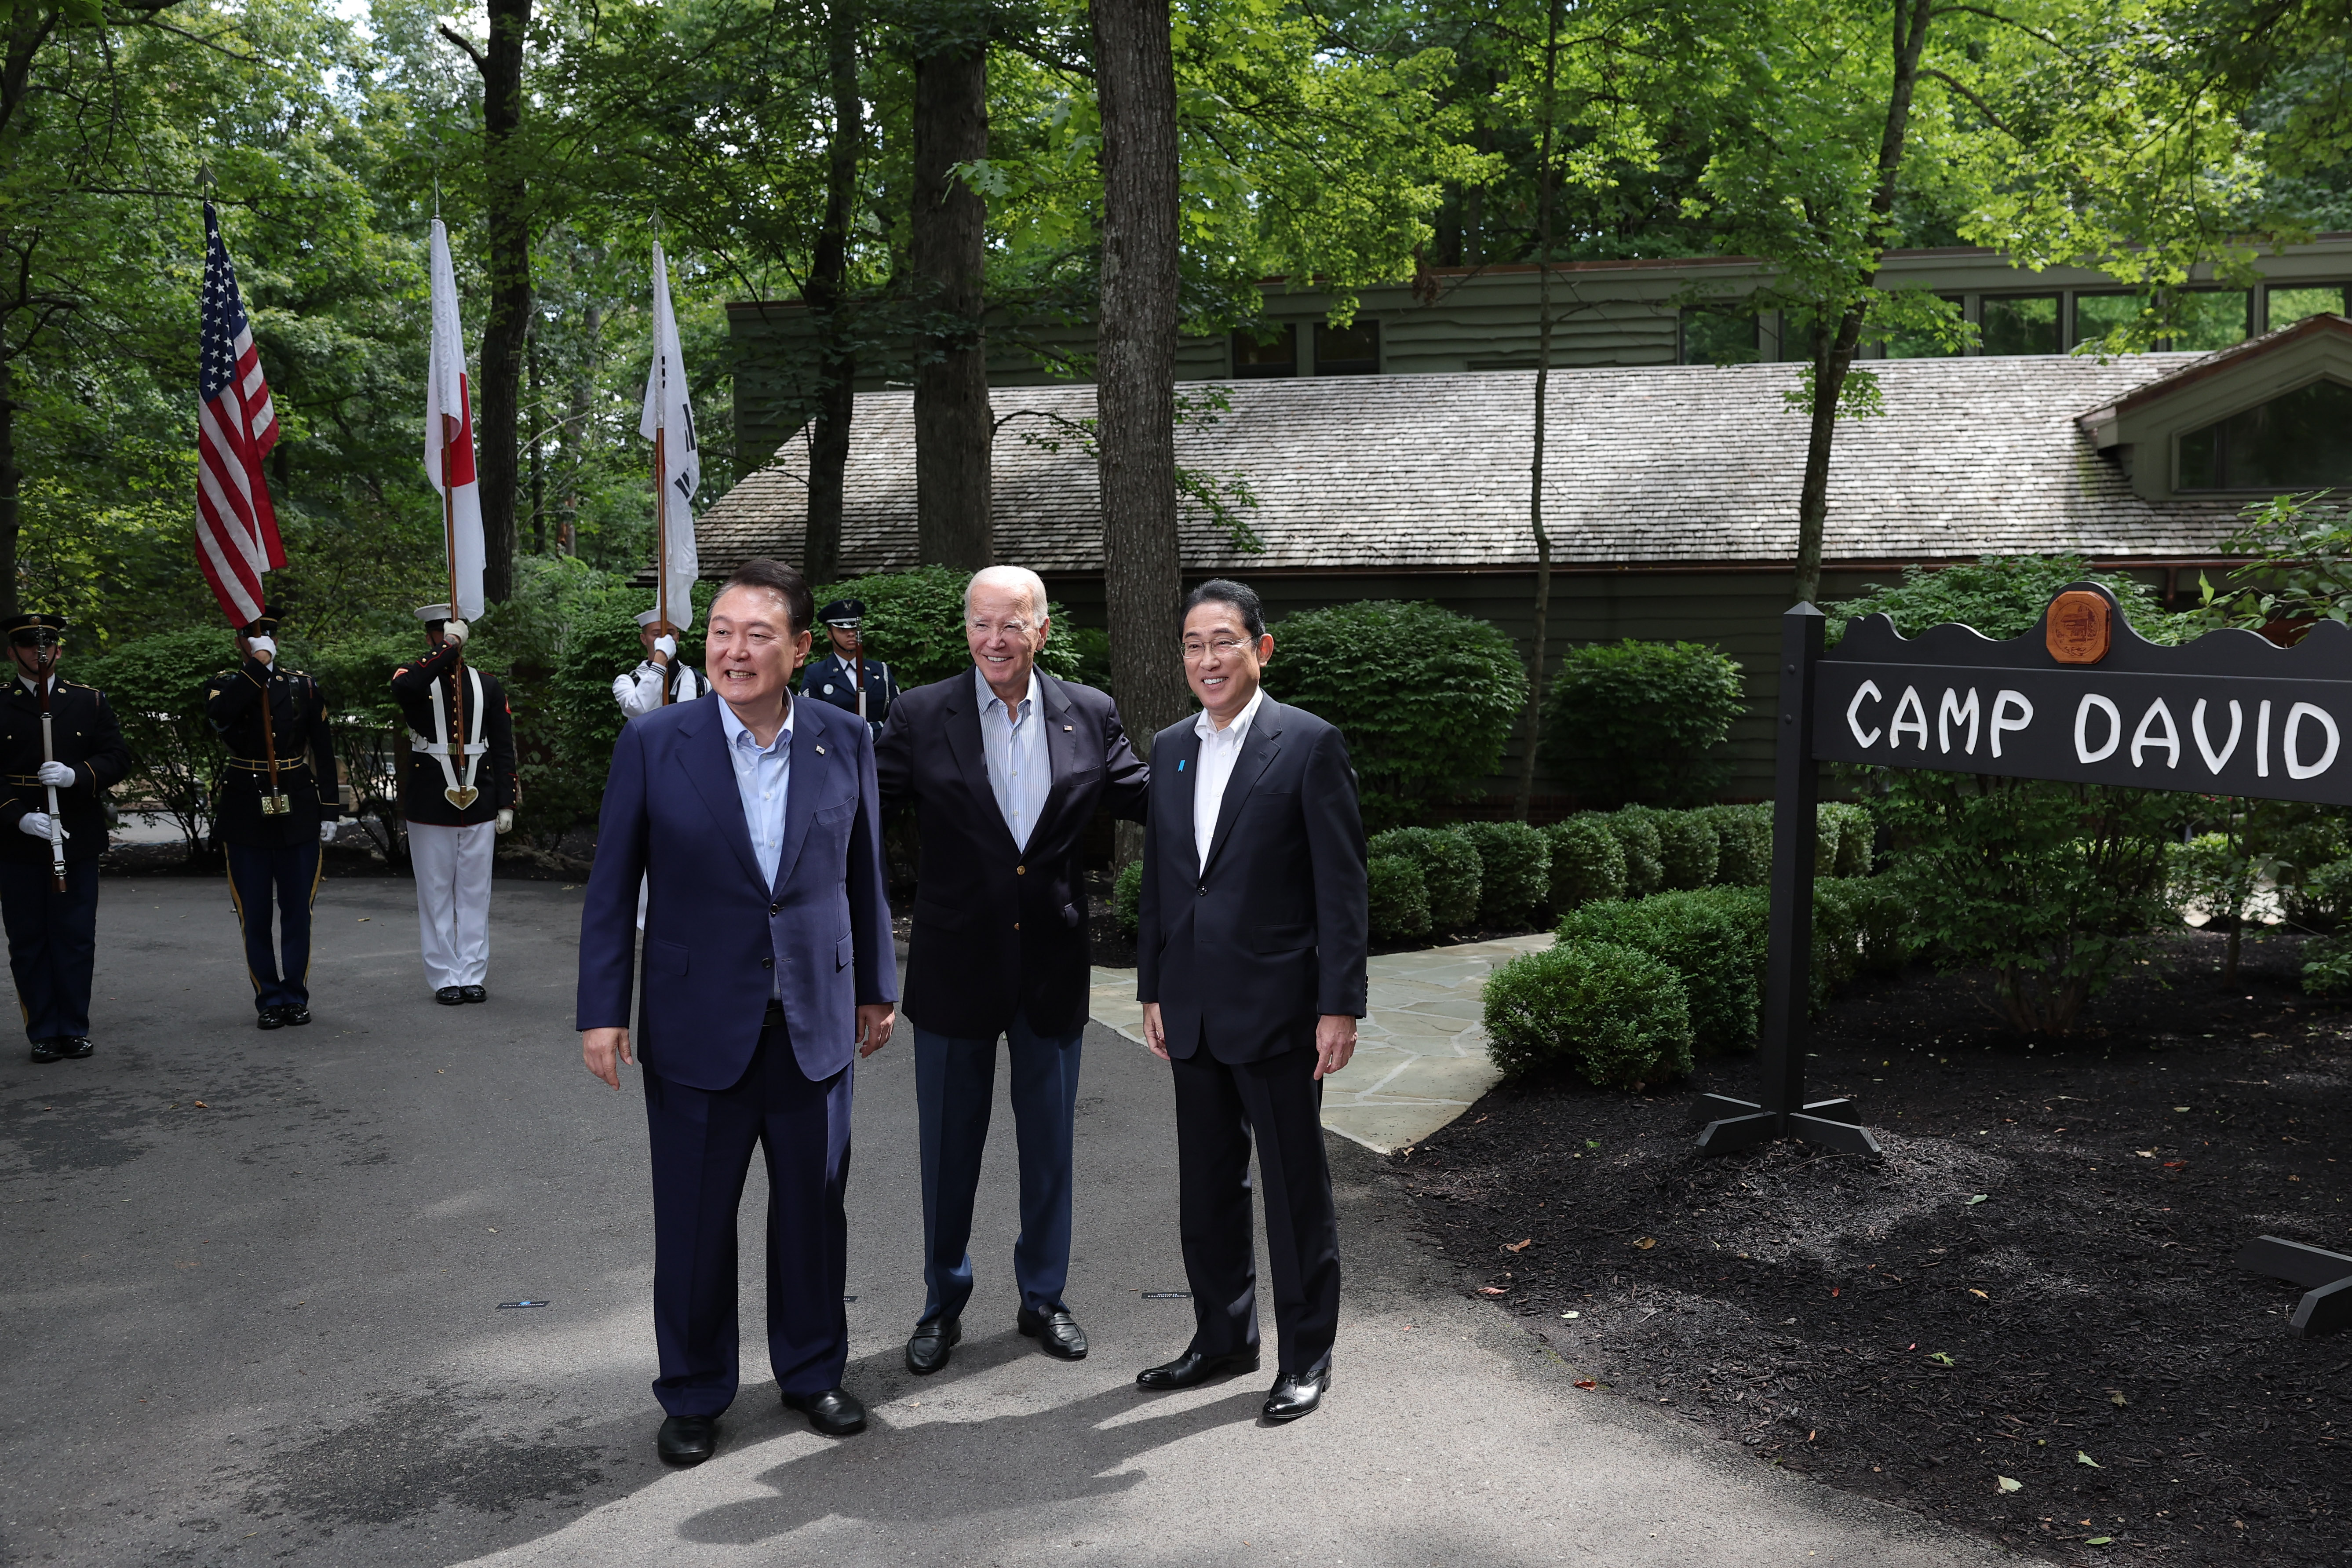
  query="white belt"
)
[{"x": 461, "y": 796}]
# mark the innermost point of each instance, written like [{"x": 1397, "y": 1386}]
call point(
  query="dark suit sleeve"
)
[
  {"x": 608, "y": 917},
  {"x": 1127, "y": 778},
  {"x": 320, "y": 738},
  {"x": 232, "y": 697},
  {"x": 1147, "y": 931},
  {"x": 894, "y": 761},
  {"x": 1335, "y": 849},
  {"x": 502, "y": 749},
  {"x": 869, "y": 893}
]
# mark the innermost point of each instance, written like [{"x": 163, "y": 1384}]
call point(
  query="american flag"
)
[{"x": 237, "y": 529}]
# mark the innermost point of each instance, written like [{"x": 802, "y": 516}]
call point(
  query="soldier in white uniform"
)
[{"x": 639, "y": 692}]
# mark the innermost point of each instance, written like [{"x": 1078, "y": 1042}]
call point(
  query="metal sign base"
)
[
  {"x": 2326, "y": 1278},
  {"x": 1741, "y": 1123}
]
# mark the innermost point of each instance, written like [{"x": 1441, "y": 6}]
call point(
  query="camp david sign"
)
[{"x": 2230, "y": 713}]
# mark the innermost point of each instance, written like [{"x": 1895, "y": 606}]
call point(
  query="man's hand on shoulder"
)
[
  {"x": 875, "y": 1022},
  {"x": 606, "y": 1051},
  {"x": 1335, "y": 1043}
]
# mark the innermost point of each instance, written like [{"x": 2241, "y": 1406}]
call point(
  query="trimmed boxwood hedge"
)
[
  {"x": 1743, "y": 836},
  {"x": 1587, "y": 862},
  {"x": 1398, "y": 900},
  {"x": 1618, "y": 1017},
  {"x": 1693, "y": 935},
  {"x": 1514, "y": 870},
  {"x": 1637, "y": 836},
  {"x": 1127, "y": 898},
  {"x": 1689, "y": 849},
  {"x": 1449, "y": 869}
]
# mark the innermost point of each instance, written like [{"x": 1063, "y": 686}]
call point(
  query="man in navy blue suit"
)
[{"x": 754, "y": 823}]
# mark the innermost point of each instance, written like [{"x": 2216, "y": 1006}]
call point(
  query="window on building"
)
[
  {"x": 1351, "y": 349},
  {"x": 2301, "y": 440},
  {"x": 2019, "y": 324},
  {"x": 1275, "y": 354},
  {"x": 2211, "y": 319},
  {"x": 2285, "y": 306},
  {"x": 2096, "y": 315},
  {"x": 1914, "y": 343},
  {"x": 1718, "y": 337}
]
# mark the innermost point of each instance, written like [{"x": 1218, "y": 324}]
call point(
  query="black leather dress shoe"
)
[
  {"x": 687, "y": 1439},
  {"x": 473, "y": 993},
  {"x": 835, "y": 1413},
  {"x": 293, "y": 1015},
  {"x": 1056, "y": 1332},
  {"x": 76, "y": 1047},
  {"x": 1296, "y": 1393},
  {"x": 270, "y": 1018},
  {"x": 927, "y": 1347},
  {"x": 48, "y": 1050},
  {"x": 450, "y": 995},
  {"x": 1193, "y": 1369}
]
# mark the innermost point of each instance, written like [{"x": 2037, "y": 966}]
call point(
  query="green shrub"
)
[
  {"x": 1427, "y": 697},
  {"x": 1587, "y": 862},
  {"x": 2003, "y": 596},
  {"x": 1637, "y": 837},
  {"x": 1127, "y": 898},
  {"x": 1743, "y": 836},
  {"x": 2327, "y": 966},
  {"x": 1828, "y": 828},
  {"x": 1449, "y": 869},
  {"x": 1617, "y": 1017},
  {"x": 1693, "y": 934},
  {"x": 1854, "y": 831},
  {"x": 156, "y": 685},
  {"x": 1514, "y": 870},
  {"x": 1640, "y": 722},
  {"x": 1400, "y": 899},
  {"x": 1688, "y": 850}
]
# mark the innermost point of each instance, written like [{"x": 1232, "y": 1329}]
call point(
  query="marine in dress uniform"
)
[
  {"x": 455, "y": 805},
  {"x": 834, "y": 678},
  {"x": 276, "y": 806},
  {"x": 639, "y": 692},
  {"x": 53, "y": 935}
]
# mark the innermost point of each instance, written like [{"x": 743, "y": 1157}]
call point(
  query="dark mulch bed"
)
[{"x": 1803, "y": 1305}]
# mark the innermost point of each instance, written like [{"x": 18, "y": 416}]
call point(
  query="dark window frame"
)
[{"x": 1266, "y": 370}]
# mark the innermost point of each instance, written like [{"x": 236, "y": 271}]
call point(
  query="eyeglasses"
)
[
  {"x": 990, "y": 629},
  {"x": 1224, "y": 647}
]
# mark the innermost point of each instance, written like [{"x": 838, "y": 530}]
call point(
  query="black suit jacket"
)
[
  {"x": 1243, "y": 954},
  {"x": 1000, "y": 930}
]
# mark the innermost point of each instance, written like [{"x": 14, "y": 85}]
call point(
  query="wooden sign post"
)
[{"x": 2081, "y": 699}]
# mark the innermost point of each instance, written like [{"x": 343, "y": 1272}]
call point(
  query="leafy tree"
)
[{"x": 1642, "y": 721}]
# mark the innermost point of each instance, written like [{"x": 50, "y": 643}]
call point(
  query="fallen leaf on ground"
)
[
  {"x": 1585, "y": 1382},
  {"x": 2145, "y": 1153},
  {"x": 1490, "y": 1290},
  {"x": 202, "y": 1106},
  {"x": 2100, "y": 1541},
  {"x": 1833, "y": 1289},
  {"x": 1978, "y": 1198},
  {"x": 1943, "y": 1358},
  {"x": 1647, "y": 1243},
  {"x": 1980, "y": 1295},
  {"x": 2083, "y": 1458},
  {"x": 2117, "y": 1400},
  {"x": 1520, "y": 1246},
  {"x": 2009, "y": 1486}
]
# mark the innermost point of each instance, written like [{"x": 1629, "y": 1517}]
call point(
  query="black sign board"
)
[{"x": 2080, "y": 699}]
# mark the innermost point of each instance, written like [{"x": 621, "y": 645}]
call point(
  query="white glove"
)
[
  {"x": 36, "y": 824},
  {"x": 56, "y": 774},
  {"x": 667, "y": 645},
  {"x": 453, "y": 632},
  {"x": 264, "y": 649},
  {"x": 506, "y": 821},
  {"x": 327, "y": 832}
]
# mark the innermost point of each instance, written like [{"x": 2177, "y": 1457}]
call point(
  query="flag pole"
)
[
  {"x": 661, "y": 542},
  {"x": 449, "y": 533}
]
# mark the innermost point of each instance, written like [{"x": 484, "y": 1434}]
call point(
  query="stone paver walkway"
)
[{"x": 1420, "y": 1056}]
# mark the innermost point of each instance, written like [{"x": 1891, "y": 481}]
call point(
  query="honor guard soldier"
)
[
  {"x": 849, "y": 679},
  {"x": 459, "y": 794},
  {"x": 63, "y": 750},
  {"x": 276, "y": 805},
  {"x": 639, "y": 692}
]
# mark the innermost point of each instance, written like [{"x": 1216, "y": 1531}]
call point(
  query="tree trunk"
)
[
  {"x": 575, "y": 430},
  {"x": 1136, "y": 361},
  {"x": 947, "y": 253},
  {"x": 828, "y": 290},
  {"x": 538, "y": 448},
  {"x": 1833, "y": 357},
  {"x": 8, "y": 486},
  {"x": 1543, "y": 387},
  {"x": 497, "y": 452}
]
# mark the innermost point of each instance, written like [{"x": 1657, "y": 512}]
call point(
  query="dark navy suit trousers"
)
[
  {"x": 52, "y": 944},
  {"x": 702, "y": 1142}
]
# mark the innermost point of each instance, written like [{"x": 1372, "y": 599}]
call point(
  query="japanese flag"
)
[{"x": 449, "y": 434}]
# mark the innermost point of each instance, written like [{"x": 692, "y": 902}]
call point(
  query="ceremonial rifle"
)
[
  {"x": 457, "y": 665},
  {"x": 49, "y": 754},
  {"x": 273, "y": 804},
  {"x": 857, "y": 641}
]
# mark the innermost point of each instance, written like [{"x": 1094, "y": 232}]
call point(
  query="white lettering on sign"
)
[
  {"x": 2295, "y": 767},
  {"x": 2213, "y": 760},
  {"x": 1950, "y": 711},
  {"x": 1910, "y": 714},
  {"x": 2083, "y": 752},
  {"x": 2001, "y": 705},
  {"x": 2262, "y": 742},
  {"x": 1853, "y": 713},
  {"x": 2144, "y": 737}
]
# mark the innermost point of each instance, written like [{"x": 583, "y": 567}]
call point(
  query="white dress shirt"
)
[
  {"x": 1220, "y": 750},
  {"x": 1013, "y": 740}
]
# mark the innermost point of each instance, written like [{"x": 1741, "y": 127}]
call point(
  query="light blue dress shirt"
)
[
  {"x": 1013, "y": 741},
  {"x": 762, "y": 775}
]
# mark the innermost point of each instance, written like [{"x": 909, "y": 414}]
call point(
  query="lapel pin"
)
[
  {"x": 820, "y": 750},
  {"x": 1067, "y": 728},
  {"x": 1180, "y": 764}
]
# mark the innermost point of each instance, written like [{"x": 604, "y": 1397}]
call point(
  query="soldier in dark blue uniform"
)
[
  {"x": 277, "y": 804},
  {"x": 834, "y": 678},
  {"x": 53, "y": 931}
]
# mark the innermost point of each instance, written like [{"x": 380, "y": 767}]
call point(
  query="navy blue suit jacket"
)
[
  {"x": 1243, "y": 955},
  {"x": 718, "y": 937}
]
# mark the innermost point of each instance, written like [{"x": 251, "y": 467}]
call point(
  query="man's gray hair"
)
[{"x": 1020, "y": 579}]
